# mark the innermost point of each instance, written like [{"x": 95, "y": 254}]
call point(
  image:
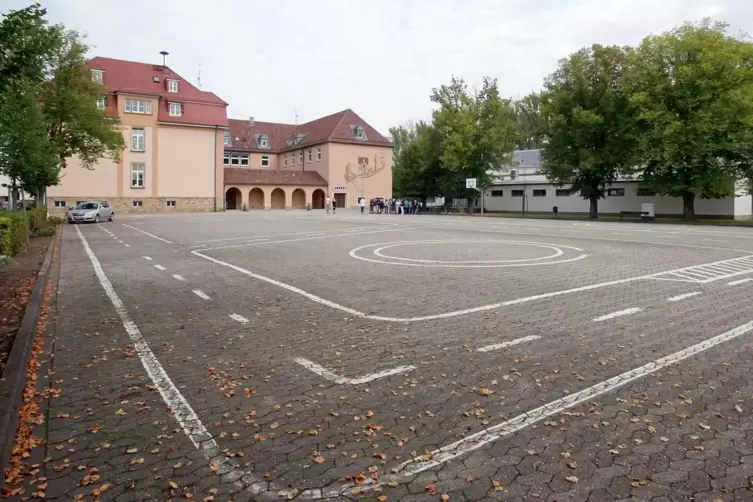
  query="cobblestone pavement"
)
[{"x": 264, "y": 355}]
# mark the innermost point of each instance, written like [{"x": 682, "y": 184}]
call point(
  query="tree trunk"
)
[
  {"x": 593, "y": 210},
  {"x": 40, "y": 198},
  {"x": 688, "y": 206}
]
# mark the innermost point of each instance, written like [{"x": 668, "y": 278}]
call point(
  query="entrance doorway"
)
[
  {"x": 233, "y": 199},
  {"x": 340, "y": 199}
]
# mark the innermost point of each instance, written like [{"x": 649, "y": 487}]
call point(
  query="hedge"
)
[{"x": 12, "y": 233}]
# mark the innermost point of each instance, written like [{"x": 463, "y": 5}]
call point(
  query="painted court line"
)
[
  {"x": 682, "y": 297},
  {"x": 619, "y": 313},
  {"x": 201, "y": 294},
  {"x": 502, "y": 345},
  {"x": 508, "y": 427},
  {"x": 340, "y": 380},
  {"x": 148, "y": 258},
  {"x": 328, "y": 236},
  {"x": 179, "y": 277},
  {"x": 741, "y": 281},
  {"x": 445, "y": 315},
  {"x": 147, "y": 233},
  {"x": 160, "y": 267},
  {"x": 239, "y": 318},
  {"x": 180, "y": 408}
]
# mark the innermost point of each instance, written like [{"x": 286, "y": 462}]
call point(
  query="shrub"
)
[
  {"x": 56, "y": 220},
  {"x": 45, "y": 232},
  {"x": 37, "y": 218},
  {"x": 4, "y": 235},
  {"x": 12, "y": 233}
]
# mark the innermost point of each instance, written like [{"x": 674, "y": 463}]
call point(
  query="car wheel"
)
[
  {"x": 112, "y": 217},
  {"x": 96, "y": 218}
]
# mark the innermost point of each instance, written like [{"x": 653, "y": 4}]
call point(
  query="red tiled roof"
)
[
  {"x": 335, "y": 128},
  {"x": 199, "y": 107},
  {"x": 239, "y": 176}
]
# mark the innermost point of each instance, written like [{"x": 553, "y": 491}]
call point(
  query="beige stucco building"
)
[
  {"x": 183, "y": 154},
  {"x": 270, "y": 165}
]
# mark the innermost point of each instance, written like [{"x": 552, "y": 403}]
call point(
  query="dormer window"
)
[
  {"x": 176, "y": 109},
  {"x": 262, "y": 141},
  {"x": 359, "y": 132},
  {"x": 172, "y": 86},
  {"x": 98, "y": 76},
  {"x": 227, "y": 138}
]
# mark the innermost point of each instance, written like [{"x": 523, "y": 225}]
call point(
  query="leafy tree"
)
[
  {"x": 588, "y": 123},
  {"x": 530, "y": 121},
  {"x": 47, "y": 65},
  {"x": 417, "y": 171},
  {"x": 477, "y": 132},
  {"x": 693, "y": 87}
]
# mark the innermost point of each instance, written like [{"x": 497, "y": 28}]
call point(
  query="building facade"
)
[
  {"x": 183, "y": 154},
  {"x": 173, "y": 134},
  {"x": 274, "y": 166},
  {"x": 521, "y": 187}
]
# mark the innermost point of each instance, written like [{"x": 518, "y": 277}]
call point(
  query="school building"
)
[{"x": 182, "y": 152}]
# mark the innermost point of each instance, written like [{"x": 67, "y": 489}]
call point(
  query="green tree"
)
[
  {"x": 417, "y": 171},
  {"x": 588, "y": 123},
  {"x": 477, "y": 132},
  {"x": 693, "y": 87},
  {"x": 48, "y": 65},
  {"x": 530, "y": 121}
]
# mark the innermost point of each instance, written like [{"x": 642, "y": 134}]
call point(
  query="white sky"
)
[{"x": 271, "y": 59}]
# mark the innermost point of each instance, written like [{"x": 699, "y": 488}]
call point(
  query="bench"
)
[{"x": 633, "y": 213}]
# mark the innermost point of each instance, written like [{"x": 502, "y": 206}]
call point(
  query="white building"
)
[
  {"x": 522, "y": 185},
  {"x": 5, "y": 190}
]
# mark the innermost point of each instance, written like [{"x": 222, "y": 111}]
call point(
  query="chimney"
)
[{"x": 251, "y": 122}]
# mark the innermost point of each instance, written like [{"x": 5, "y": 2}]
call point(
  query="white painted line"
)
[
  {"x": 445, "y": 315},
  {"x": 328, "y": 236},
  {"x": 715, "y": 240},
  {"x": 741, "y": 281},
  {"x": 160, "y": 267},
  {"x": 239, "y": 318},
  {"x": 120, "y": 241},
  {"x": 503, "y": 345},
  {"x": 621, "y": 233},
  {"x": 179, "y": 277},
  {"x": 682, "y": 297},
  {"x": 147, "y": 233},
  {"x": 668, "y": 236},
  {"x": 176, "y": 403},
  {"x": 503, "y": 429},
  {"x": 619, "y": 313},
  {"x": 339, "y": 379},
  {"x": 148, "y": 258},
  {"x": 201, "y": 294},
  {"x": 126, "y": 245},
  {"x": 268, "y": 236}
]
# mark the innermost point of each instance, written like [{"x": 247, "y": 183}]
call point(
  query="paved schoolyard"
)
[{"x": 294, "y": 354}]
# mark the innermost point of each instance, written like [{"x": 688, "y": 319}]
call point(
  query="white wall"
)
[
  {"x": 5, "y": 192},
  {"x": 663, "y": 206}
]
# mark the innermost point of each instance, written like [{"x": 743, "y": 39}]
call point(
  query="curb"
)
[{"x": 14, "y": 377}]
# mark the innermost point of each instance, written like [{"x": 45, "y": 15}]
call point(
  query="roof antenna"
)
[
  {"x": 198, "y": 78},
  {"x": 296, "y": 116},
  {"x": 164, "y": 57}
]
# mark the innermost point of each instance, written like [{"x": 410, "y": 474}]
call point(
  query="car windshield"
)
[{"x": 88, "y": 205}]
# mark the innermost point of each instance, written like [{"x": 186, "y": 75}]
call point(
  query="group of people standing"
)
[
  {"x": 379, "y": 205},
  {"x": 394, "y": 206}
]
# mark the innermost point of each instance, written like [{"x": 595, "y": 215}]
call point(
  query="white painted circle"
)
[
  {"x": 557, "y": 252},
  {"x": 410, "y": 262}
]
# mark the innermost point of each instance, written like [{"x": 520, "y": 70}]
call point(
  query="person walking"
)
[
  {"x": 328, "y": 203},
  {"x": 334, "y": 205},
  {"x": 362, "y": 203}
]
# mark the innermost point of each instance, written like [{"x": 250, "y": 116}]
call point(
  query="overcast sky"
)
[{"x": 274, "y": 59}]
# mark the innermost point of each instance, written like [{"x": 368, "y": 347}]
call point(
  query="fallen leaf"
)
[
  {"x": 382, "y": 498},
  {"x": 497, "y": 485},
  {"x": 705, "y": 427},
  {"x": 173, "y": 484},
  {"x": 132, "y": 450},
  {"x": 572, "y": 465},
  {"x": 392, "y": 483},
  {"x": 483, "y": 391},
  {"x": 469, "y": 479},
  {"x": 444, "y": 497},
  {"x": 121, "y": 411},
  {"x": 565, "y": 454},
  {"x": 571, "y": 479},
  {"x": 137, "y": 461},
  {"x": 738, "y": 408},
  {"x": 319, "y": 459},
  {"x": 432, "y": 489}
]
